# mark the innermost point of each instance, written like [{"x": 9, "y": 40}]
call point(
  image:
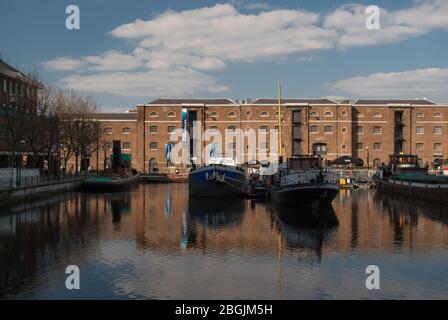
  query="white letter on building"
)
[{"x": 73, "y": 21}]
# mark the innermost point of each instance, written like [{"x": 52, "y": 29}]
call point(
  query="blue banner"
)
[
  {"x": 168, "y": 149},
  {"x": 184, "y": 126}
]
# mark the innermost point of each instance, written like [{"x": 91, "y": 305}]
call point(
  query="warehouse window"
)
[
  {"x": 328, "y": 129},
  {"x": 314, "y": 129},
  {"x": 108, "y": 131},
  {"x": 419, "y": 146},
  {"x": 153, "y": 129},
  {"x": 420, "y": 130},
  {"x": 377, "y": 146},
  {"x": 126, "y": 146},
  {"x": 377, "y": 130},
  {"x": 153, "y": 146},
  {"x": 126, "y": 130},
  {"x": 437, "y": 147},
  {"x": 437, "y": 130}
]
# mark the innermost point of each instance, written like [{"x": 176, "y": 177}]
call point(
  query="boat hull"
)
[
  {"x": 304, "y": 195},
  {"x": 413, "y": 190},
  {"x": 216, "y": 181},
  {"x": 102, "y": 185}
]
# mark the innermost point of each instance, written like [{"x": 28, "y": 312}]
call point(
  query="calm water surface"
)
[{"x": 153, "y": 242}]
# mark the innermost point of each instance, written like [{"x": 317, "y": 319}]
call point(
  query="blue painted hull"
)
[{"x": 216, "y": 181}]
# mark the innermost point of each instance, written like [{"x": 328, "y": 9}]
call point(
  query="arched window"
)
[
  {"x": 343, "y": 113},
  {"x": 264, "y": 129},
  {"x": 108, "y": 131},
  {"x": 153, "y": 167},
  {"x": 231, "y": 128},
  {"x": 377, "y": 115},
  {"x": 437, "y": 115},
  {"x": 126, "y": 130},
  {"x": 264, "y": 114},
  {"x": 153, "y": 114},
  {"x": 313, "y": 114},
  {"x": 214, "y": 114},
  {"x": 328, "y": 114},
  {"x": 231, "y": 114},
  {"x": 419, "y": 115},
  {"x": 171, "y": 114}
]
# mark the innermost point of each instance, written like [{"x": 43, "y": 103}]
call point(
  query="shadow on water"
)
[
  {"x": 216, "y": 213},
  {"x": 306, "y": 228}
]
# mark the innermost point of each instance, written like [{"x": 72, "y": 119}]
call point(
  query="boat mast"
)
[{"x": 280, "y": 153}]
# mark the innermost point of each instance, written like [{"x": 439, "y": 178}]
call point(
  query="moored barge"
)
[{"x": 404, "y": 177}]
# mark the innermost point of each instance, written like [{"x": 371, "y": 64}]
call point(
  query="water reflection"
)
[
  {"x": 216, "y": 213},
  {"x": 155, "y": 242},
  {"x": 306, "y": 228}
]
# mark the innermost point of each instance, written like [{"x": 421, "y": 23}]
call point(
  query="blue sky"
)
[{"x": 234, "y": 49}]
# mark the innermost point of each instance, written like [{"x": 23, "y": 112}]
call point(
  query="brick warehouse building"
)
[{"x": 367, "y": 129}]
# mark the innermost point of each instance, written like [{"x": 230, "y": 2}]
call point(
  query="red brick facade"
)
[{"x": 366, "y": 129}]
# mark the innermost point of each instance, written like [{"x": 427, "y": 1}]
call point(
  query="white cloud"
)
[
  {"x": 179, "y": 81},
  {"x": 211, "y": 38},
  {"x": 413, "y": 83},
  {"x": 112, "y": 61},
  {"x": 349, "y": 21},
  {"x": 63, "y": 64}
]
